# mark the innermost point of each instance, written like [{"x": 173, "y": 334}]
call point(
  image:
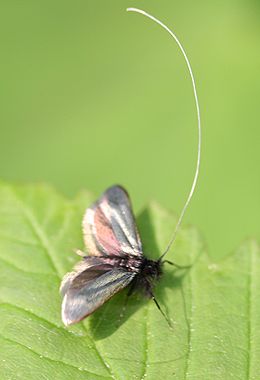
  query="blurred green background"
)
[{"x": 92, "y": 96}]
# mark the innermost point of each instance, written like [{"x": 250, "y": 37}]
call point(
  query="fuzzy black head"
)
[
  {"x": 151, "y": 269},
  {"x": 149, "y": 272}
]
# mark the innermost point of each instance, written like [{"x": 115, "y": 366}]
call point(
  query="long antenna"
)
[{"x": 172, "y": 240}]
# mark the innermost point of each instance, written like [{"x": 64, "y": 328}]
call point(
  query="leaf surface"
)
[{"x": 214, "y": 307}]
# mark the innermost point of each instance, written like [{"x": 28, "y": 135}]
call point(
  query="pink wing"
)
[{"x": 109, "y": 226}]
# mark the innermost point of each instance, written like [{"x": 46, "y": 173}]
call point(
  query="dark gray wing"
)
[
  {"x": 86, "y": 292},
  {"x": 109, "y": 226}
]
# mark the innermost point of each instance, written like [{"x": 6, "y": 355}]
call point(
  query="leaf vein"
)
[
  {"x": 15, "y": 267},
  {"x": 39, "y": 233},
  {"x": 47, "y": 358},
  {"x": 145, "y": 360},
  {"x": 107, "y": 366},
  {"x": 41, "y": 319},
  {"x": 19, "y": 241}
]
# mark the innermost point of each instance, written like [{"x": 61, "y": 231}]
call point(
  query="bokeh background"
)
[{"x": 92, "y": 96}]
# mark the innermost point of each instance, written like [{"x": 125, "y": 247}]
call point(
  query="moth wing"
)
[
  {"x": 83, "y": 271},
  {"x": 91, "y": 289},
  {"x": 109, "y": 226}
]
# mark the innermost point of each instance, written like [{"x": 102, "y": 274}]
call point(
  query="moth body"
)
[{"x": 115, "y": 258}]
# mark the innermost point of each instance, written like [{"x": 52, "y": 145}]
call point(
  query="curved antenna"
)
[{"x": 172, "y": 240}]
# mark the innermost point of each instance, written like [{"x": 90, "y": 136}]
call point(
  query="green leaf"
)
[{"x": 214, "y": 307}]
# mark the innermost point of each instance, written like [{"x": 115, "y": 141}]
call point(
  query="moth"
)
[{"x": 115, "y": 258}]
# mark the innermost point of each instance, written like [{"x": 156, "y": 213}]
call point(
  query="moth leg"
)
[
  {"x": 176, "y": 265},
  {"x": 161, "y": 311}
]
